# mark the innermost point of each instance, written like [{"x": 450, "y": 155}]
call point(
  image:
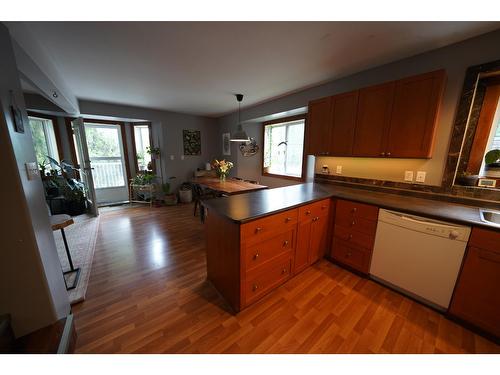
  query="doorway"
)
[{"x": 107, "y": 157}]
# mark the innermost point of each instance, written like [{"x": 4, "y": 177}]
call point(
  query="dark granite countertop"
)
[{"x": 247, "y": 207}]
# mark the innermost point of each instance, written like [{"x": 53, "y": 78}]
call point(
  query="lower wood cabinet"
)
[
  {"x": 476, "y": 298},
  {"x": 312, "y": 234},
  {"x": 354, "y": 234},
  {"x": 246, "y": 261}
]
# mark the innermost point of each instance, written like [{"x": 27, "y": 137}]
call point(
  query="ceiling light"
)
[{"x": 240, "y": 135}]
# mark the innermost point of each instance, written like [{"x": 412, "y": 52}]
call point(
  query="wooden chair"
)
[
  {"x": 59, "y": 222},
  {"x": 198, "y": 194}
]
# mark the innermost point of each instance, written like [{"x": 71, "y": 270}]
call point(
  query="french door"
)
[
  {"x": 106, "y": 154},
  {"x": 84, "y": 161}
]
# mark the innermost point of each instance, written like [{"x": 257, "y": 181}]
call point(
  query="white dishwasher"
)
[{"x": 418, "y": 256}]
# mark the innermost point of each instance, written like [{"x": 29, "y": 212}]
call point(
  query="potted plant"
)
[
  {"x": 467, "y": 179},
  {"x": 186, "y": 192},
  {"x": 153, "y": 151},
  {"x": 42, "y": 167},
  {"x": 222, "y": 168},
  {"x": 75, "y": 199},
  {"x": 492, "y": 163}
]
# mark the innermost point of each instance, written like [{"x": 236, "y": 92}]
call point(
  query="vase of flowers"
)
[{"x": 222, "y": 168}]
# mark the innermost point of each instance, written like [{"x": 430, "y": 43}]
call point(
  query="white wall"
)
[
  {"x": 31, "y": 283},
  {"x": 454, "y": 58}
]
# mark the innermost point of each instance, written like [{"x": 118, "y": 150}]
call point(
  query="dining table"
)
[{"x": 229, "y": 186}]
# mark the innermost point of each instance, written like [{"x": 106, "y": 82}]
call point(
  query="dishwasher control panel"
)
[{"x": 425, "y": 225}]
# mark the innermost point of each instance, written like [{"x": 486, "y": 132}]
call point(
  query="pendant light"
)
[{"x": 240, "y": 135}]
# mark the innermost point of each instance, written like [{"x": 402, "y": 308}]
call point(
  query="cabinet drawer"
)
[
  {"x": 485, "y": 239},
  {"x": 353, "y": 256},
  {"x": 256, "y": 255},
  {"x": 316, "y": 209},
  {"x": 359, "y": 224},
  {"x": 355, "y": 210},
  {"x": 269, "y": 226},
  {"x": 354, "y": 237},
  {"x": 268, "y": 277}
]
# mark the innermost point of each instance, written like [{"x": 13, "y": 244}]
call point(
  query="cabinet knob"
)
[
  {"x": 258, "y": 229},
  {"x": 382, "y": 154},
  {"x": 354, "y": 209},
  {"x": 284, "y": 271},
  {"x": 256, "y": 256},
  {"x": 323, "y": 207},
  {"x": 388, "y": 154},
  {"x": 308, "y": 212},
  {"x": 348, "y": 254},
  {"x": 352, "y": 223},
  {"x": 254, "y": 287},
  {"x": 285, "y": 243},
  {"x": 288, "y": 219},
  {"x": 350, "y": 237}
]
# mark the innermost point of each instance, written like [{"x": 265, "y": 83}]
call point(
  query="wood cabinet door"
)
[
  {"x": 344, "y": 109},
  {"x": 414, "y": 115},
  {"x": 373, "y": 120},
  {"x": 318, "y": 240},
  {"x": 302, "y": 246},
  {"x": 319, "y": 120},
  {"x": 476, "y": 298}
]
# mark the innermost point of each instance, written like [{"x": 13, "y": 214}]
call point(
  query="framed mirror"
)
[{"x": 474, "y": 156}]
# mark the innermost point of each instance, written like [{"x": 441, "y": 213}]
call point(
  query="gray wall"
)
[
  {"x": 454, "y": 58},
  {"x": 167, "y": 134},
  {"x": 31, "y": 284}
]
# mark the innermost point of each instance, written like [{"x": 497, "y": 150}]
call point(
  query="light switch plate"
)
[
  {"x": 182, "y": 157},
  {"x": 32, "y": 170},
  {"x": 409, "y": 176},
  {"x": 421, "y": 176},
  {"x": 171, "y": 157},
  {"x": 339, "y": 169}
]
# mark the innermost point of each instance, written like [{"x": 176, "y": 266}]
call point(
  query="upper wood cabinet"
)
[
  {"x": 344, "y": 107},
  {"x": 373, "y": 120},
  {"x": 318, "y": 124},
  {"x": 393, "y": 119},
  {"x": 414, "y": 115}
]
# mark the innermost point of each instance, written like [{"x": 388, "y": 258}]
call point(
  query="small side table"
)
[
  {"x": 149, "y": 188},
  {"x": 59, "y": 222}
]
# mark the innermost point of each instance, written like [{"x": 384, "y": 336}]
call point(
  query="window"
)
[
  {"x": 142, "y": 140},
  {"x": 283, "y": 149},
  {"x": 44, "y": 139}
]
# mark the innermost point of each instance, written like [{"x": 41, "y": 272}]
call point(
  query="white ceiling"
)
[{"x": 196, "y": 67}]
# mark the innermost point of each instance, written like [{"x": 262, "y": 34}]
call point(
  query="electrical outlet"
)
[
  {"x": 421, "y": 176},
  {"x": 339, "y": 169},
  {"x": 409, "y": 176},
  {"x": 182, "y": 157},
  {"x": 172, "y": 157}
]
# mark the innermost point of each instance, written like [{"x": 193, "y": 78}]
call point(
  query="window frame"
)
[
  {"x": 304, "y": 156},
  {"x": 134, "y": 147},
  {"x": 55, "y": 126}
]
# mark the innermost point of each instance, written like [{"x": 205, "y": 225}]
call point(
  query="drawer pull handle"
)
[
  {"x": 284, "y": 271},
  {"x": 254, "y": 287},
  {"x": 256, "y": 256},
  {"x": 258, "y": 229},
  {"x": 308, "y": 212},
  {"x": 285, "y": 243},
  {"x": 288, "y": 219}
]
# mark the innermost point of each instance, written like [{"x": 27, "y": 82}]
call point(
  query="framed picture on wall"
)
[
  {"x": 192, "y": 142},
  {"x": 226, "y": 144}
]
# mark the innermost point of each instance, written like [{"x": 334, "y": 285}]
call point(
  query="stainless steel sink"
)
[{"x": 491, "y": 217}]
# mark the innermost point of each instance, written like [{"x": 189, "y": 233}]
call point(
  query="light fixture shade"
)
[{"x": 239, "y": 135}]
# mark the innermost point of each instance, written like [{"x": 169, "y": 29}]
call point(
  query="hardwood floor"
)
[{"x": 148, "y": 294}]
